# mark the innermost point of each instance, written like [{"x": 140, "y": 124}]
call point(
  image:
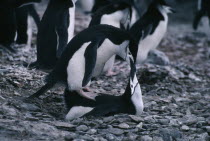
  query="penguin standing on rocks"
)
[
  {"x": 8, "y": 21},
  {"x": 54, "y": 32},
  {"x": 117, "y": 14},
  {"x": 23, "y": 24},
  {"x": 105, "y": 105},
  {"x": 150, "y": 28},
  {"x": 203, "y": 10},
  {"x": 85, "y": 57}
]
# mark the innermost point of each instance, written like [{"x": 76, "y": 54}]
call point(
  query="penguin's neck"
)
[{"x": 136, "y": 96}]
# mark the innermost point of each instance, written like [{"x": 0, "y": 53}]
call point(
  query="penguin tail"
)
[{"x": 50, "y": 82}]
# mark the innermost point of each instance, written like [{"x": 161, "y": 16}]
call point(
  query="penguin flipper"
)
[
  {"x": 90, "y": 62},
  {"x": 104, "y": 110}
]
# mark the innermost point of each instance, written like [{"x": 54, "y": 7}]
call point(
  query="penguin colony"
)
[{"x": 116, "y": 28}]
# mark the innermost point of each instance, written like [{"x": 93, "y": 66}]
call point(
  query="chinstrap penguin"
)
[
  {"x": 54, "y": 32},
  {"x": 203, "y": 10},
  {"x": 150, "y": 28},
  {"x": 105, "y": 105},
  {"x": 85, "y": 57}
]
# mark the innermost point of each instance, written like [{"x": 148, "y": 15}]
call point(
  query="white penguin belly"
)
[
  {"x": 71, "y": 22},
  {"x": 104, "y": 53},
  {"x": 76, "y": 69},
  {"x": 151, "y": 42},
  {"x": 77, "y": 112}
]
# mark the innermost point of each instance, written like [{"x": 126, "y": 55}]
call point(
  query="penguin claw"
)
[
  {"x": 87, "y": 95},
  {"x": 111, "y": 73}
]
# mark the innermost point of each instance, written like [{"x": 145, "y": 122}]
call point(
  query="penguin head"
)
[
  {"x": 163, "y": 6},
  {"x": 134, "y": 88}
]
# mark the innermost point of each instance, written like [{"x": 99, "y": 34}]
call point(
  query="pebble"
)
[
  {"x": 123, "y": 126},
  {"x": 82, "y": 128},
  {"x": 92, "y": 131},
  {"x": 156, "y": 138},
  {"x": 208, "y": 129},
  {"x": 136, "y": 118},
  {"x": 185, "y": 128},
  {"x": 115, "y": 131},
  {"x": 110, "y": 136},
  {"x": 140, "y": 125},
  {"x": 146, "y": 138},
  {"x": 164, "y": 121},
  {"x": 64, "y": 125}
]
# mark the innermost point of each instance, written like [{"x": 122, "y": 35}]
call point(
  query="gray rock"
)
[
  {"x": 169, "y": 134},
  {"x": 203, "y": 137},
  {"x": 146, "y": 138},
  {"x": 124, "y": 126},
  {"x": 185, "y": 128},
  {"x": 82, "y": 128},
  {"x": 70, "y": 136},
  {"x": 110, "y": 137},
  {"x": 140, "y": 125},
  {"x": 92, "y": 131},
  {"x": 207, "y": 129},
  {"x": 136, "y": 118},
  {"x": 157, "y": 57},
  {"x": 108, "y": 119},
  {"x": 115, "y": 131},
  {"x": 164, "y": 121},
  {"x": 29, "y": 107},
  {"x": 64, "y": 125},
  {"x": 156, "y": 138},
  {"x": 149, "y": 119}
]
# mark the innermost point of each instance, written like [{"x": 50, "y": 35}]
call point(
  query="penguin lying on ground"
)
[
  {"x": 54, "y": 32},
  {"x": 117, "y": 14},
  {"x": 150, "y": 28},
  {"x": 105, "y": 105},
  {"x": 8, "y": 21},
  {"x": 203, "y": 10},
  {"x": 85, "y": 57}
]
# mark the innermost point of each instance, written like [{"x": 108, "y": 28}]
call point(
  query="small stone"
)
[
  {"x": 136, "y": 118},
  {"x": 164, "y": 121},
  {"x": 70, "y": 136},
  {"x": 108, "y": 119},
  {"x": 140, "y": 125},
  {"x": 64, "y": 125},
  {"x": 157, "y": 138},
  {"x": 82, "y": 128},
  {"x": 29, "y": 107},
  {"x": 185, "y": 128},
  {"x": 149, "y": 119},
  {"x": 123, "y": 126},
  {"x": 207, "y": 129},
  {"x": 92, "y": 131},
  {"x": 146, "y": 138},
  {"x": 110, "y": 136},
  {"x": 115, "y": 131}
]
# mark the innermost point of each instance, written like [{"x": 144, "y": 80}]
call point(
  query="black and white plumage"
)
[
  {"x": 24, "y": 24},
  {"x": 104, "y": 105},
  {"x": 203, "y": 10},
  {"x": 85, "y": 54},
  {"x": 8, "y": 21},
  {"x": 150, "y": 28},
  {"x": 117, "y": 14},
  {"x": 54, "y": 32}
]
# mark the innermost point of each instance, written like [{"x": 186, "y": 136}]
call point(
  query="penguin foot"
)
[
  {"x": 88, "y": 95},
  {"x": 87, "y": 89},
  {"x": 111, "y": 73}
]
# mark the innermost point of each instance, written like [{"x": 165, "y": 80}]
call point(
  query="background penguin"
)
[
  {"x": 150, "y": 28},
  {"x": 203, "y": 10},
  {"x": 52, "y": 35},
  {"x": 23, "y": 24},
  {"x": 8, "y": 21},
  {"x": 85, "y": 54},
  {"x": 104, "y": 105},
  {"x": 117, "y": 14}
]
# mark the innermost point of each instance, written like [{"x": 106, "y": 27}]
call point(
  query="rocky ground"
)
[{"x": 176, "y": 97}]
